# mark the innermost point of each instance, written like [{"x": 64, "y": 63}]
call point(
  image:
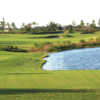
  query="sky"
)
[{"x": 44, "y": 11}]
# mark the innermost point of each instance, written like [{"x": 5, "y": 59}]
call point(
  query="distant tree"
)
[
  {"x": 34, "y": 23},
  {"x": 93, "y": 26},
  {"x": 9, "y": 27},
  {"x": 87, "y": 24},
  {"x": 89, "y": 28},
  {"x": 85, "y": 30},
  {"x": 70, "y": 29},
  {"x": 28, "y": 27},
  {"x": 22, "y": 27},
  {"x": 52, "y": 26},
  {"x": 99, "y": 22},
  {"x": 82, "y": 24},
  {"x": 33, "y": 27},
  {"x": 13, "y": 26},
  {"x": 3, "y": 24}
]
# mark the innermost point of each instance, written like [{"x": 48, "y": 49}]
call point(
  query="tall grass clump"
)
[
  {"x": 62, "y": 46},
  {"x": 41, "y": 45},
  {"x": 68, "y": 45}
]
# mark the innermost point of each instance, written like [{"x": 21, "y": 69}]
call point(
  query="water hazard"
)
[{"x": 79, "y": 59}]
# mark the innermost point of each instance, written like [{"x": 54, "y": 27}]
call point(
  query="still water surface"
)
[{"x": 79, "y": 59}]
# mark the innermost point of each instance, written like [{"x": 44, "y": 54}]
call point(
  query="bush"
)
[
  {"x": 14, "y": 49},
  {"x": 69, "y": 35},
  {"x": 62, "y": 46},
  {"x": 82, "y": 41}
]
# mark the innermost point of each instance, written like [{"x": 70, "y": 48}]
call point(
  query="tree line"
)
[
  {"x": 83, "y": 27},
  {"x": 33, "y": 27}
]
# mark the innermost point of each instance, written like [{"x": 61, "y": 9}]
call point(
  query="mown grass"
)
[
  {"x": 22, "y": 77},
  {"x": 20, "y": 62},
  {"x": 24, "y": 70},
  {"x": 28, "y": 40}
]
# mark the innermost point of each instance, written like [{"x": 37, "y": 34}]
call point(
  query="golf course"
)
[
  {"x": 22, "y": 76},
  {"x": 49, "y": 50}
]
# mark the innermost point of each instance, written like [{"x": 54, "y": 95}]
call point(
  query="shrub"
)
[
  {"x": 14, "y": 49},
  {"x": 69, "y": 35},
  {"x": 82, "y": 41}
]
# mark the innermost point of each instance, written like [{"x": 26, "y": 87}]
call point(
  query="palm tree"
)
[{"x": 3, "y": 24}]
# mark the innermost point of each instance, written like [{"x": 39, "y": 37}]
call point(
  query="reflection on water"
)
[{"x": 79, "y": 59}]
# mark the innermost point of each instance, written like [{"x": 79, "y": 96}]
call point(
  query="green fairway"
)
[
  {"x": 22, "y": 77},
  {"x": 24, "y": 70},
  {"x": 28, "y": 40},
  {"x": 11, "y": 62}
]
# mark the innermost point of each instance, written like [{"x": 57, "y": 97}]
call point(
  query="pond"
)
[{"x": 78, "y": 59}]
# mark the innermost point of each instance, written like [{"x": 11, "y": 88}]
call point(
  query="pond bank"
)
[{"x": 68, "y": 45}]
